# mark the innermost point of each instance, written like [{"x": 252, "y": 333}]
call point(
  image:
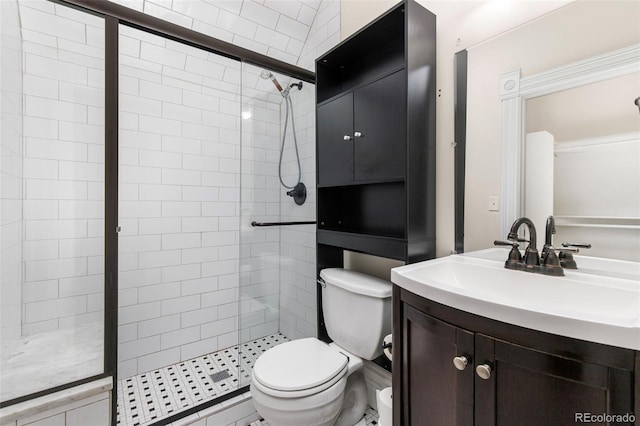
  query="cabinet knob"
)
[
  {"x": 346, "y": 137},
  {"x": 460, "y": 362},
  {"x": 357, "y": 134},
  {"x": 484, "y": 371}
]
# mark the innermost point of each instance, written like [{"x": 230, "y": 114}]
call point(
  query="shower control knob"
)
[
  {"x": 460, "y": 362},
  {"x": 357, "y": 134},
  {"x": 346, "y": 137},
  {"x": 484, "y": 371}
]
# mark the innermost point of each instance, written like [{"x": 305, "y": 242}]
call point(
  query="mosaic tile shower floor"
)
[{"x": 149, "y": 397}]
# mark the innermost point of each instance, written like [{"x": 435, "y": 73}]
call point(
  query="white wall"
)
[
  {"x": 63, "y": 203},
  {"x": 11, "y": 148},
  {"x": 324, "y": 33}
]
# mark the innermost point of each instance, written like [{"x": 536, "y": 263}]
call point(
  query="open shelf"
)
[
  {"x": 374, "y": 209},
  {"x": 376, "y": 50}
]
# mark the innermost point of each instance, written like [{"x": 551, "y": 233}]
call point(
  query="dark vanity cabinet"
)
[
  {"x": 375, "y": 142},
  {"x": 512, "y": 376}
]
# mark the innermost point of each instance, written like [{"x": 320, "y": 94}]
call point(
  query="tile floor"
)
[
  {"x": 149, "y": 397},
  {"x": 370, "y": 416}
]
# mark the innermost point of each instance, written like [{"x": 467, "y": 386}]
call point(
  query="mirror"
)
[
  {"x": 580, "y": 44},
  {"x": 590, "y": 156}
]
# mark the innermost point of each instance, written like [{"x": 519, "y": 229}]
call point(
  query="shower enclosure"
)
[
  {"x": 200, "y": 288},
  {"x": 195, "y": 141}
]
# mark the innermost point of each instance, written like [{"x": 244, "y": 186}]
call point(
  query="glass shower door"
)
[
  {"x": 52, "y": 171},
  {"x": 277, "y": 264},
  {"x": 179, "y": 172}
]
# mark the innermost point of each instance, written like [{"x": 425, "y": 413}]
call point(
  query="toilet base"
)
[{"x": 354, "y": 403}]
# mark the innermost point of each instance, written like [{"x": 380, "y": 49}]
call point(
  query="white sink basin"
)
[
  {"x": 586, "y": 264},
  {"x": 579, "y": 305}
]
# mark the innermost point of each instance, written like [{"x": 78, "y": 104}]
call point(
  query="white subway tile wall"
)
[
  {"x": 11, "y": 171},
  {"x": 179, "y": 244},
  {"x": 63, "y": 174},
  {"x": 293, "y": 31},
  {"x": 260, "y": 257},
  {"x": 297, "y": 243}
]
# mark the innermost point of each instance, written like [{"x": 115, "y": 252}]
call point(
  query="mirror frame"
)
[{"x": 514, "y": 92}]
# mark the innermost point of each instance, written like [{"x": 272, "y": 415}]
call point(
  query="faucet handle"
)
[
  {"x": 506, "y": 243},
  {"x": 567, "y": 250},
  {"x": 578, "y": 245},
  {"x": 566, "y": 254},
  {"x": 515, "y": 258},
  {"x": 517, "y": 239}
]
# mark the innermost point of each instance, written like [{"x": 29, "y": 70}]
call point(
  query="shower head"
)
[{"x": 269, "y": 75}]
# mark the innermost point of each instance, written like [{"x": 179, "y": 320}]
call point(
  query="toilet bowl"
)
[{"x": 309, "y": 382}]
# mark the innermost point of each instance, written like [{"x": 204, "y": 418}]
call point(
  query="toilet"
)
[{"x": 312, "y": 383}]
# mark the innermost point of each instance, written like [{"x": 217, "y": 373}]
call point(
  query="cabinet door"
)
[
  {"x": 528, "y": 387},
  {"x": 380, "y": 119},
  {"x": 434, "y": 391},
  {"x": 335, "y": 154}
]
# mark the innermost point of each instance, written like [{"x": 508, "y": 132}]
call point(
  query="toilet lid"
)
[{"x": 299, "y": 364}]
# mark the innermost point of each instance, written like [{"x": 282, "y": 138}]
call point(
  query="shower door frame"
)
[{"x": 114, "y": 15}]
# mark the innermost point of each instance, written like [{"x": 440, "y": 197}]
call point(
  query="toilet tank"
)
[{"x": 357, "y": 310}]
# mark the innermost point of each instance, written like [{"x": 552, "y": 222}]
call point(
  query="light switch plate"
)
[{"x": 494, "y": 203}]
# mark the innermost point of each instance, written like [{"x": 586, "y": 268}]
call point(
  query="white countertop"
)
[{"x": 592, "y": 307}]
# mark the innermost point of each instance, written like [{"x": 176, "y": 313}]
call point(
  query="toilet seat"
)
[{"x": 299, "y": 368}]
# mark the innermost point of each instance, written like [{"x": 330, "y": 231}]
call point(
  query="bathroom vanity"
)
[{"x": 476, "y": 344}]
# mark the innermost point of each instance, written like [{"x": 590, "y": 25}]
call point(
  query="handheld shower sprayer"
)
[
  {"x": 269, "y": 75},
  {"x": 298, "y": 191}
]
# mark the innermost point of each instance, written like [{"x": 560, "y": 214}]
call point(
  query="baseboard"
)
[{"x": 376, "y": 377}]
